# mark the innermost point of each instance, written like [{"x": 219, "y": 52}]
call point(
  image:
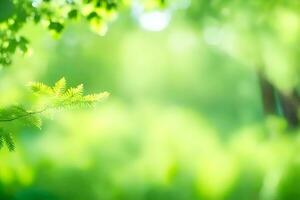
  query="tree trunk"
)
[{"x": 277, "y": 103}]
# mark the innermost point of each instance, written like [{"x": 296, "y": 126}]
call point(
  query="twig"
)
[{"x": 22, "y": 116}]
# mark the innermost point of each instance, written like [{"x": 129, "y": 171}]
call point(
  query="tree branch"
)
[{"x": 22, "y": 116}]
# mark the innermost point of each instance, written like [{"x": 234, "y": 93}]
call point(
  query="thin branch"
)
[{"x": 25, "y": 115}]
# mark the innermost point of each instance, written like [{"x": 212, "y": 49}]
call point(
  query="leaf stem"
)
[{"x": 25, "y": 115}]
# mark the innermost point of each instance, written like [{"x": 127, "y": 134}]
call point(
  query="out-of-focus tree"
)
[{"x": 260, "y": 34}]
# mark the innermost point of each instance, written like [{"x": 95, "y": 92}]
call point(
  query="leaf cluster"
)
[
  {"x": 50, "y": 99},
  {"x": 58, "y": 96},
  {"x": 53, "y": 14}
]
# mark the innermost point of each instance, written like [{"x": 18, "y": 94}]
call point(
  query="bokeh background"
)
[{"x": 185, "y": 118}]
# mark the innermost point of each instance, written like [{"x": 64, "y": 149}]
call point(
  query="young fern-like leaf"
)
[
  {"x": 62, "y": 98},
  {"x": 33, "y": 120},
  {"x": 60, "y": 86},
  {"x": 1, "y": 141},
  {"x": 40, "y": 88},
  {"x": 73, "y": 93},
  {"x": 92, "y": 98},
  {"x": 58, "y": 97},
  {"x": 7, "y": 139}
]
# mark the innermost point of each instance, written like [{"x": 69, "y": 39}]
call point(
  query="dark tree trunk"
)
[
  {"x": 289, "y": 105},
  {"x": 277, "y": 103},
  {"x": 268, "y": 96}
]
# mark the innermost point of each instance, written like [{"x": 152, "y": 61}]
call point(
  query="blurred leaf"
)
[
  {"x": 7, "y": 9},
  {"x": 6, "y": 138},
  {"x": 73, "y": 14},
  {"x": 56, "y": 26}
]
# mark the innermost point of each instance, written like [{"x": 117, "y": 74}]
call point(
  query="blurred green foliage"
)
[
  {"x": 261, "y": 34},
  {"x": 53, "y": 14},
  {"x": 185, "y": 119}
]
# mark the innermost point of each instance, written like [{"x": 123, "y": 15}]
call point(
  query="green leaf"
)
[
  {"x": 60, "y": 86},
  {"x": 12, "y": 46},
  {"x": 23, "y": 44},
  {"x": 74, "y": 92},
  {"x": 1, "y": 141},
  {"x": 111, "y": 6},
  {"x": 56, "y": 26},
  {"x": 93, "y": 15},
  {"x": 40, "y": 88},
  {"x": 73, "y": 14},
  {"x": 37, "y": 18},
  {"x": 7, "y": 139},
  {"x": 7, "y": 9}
]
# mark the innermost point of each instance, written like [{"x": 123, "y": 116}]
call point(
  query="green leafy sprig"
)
[{"x": 50, "y": 98}]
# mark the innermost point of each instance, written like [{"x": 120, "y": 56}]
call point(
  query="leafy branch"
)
[
  {"x": 52, "y": 14},
  {"x": 27, "y": 114},
  {"x": 53, "y": 98}
]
